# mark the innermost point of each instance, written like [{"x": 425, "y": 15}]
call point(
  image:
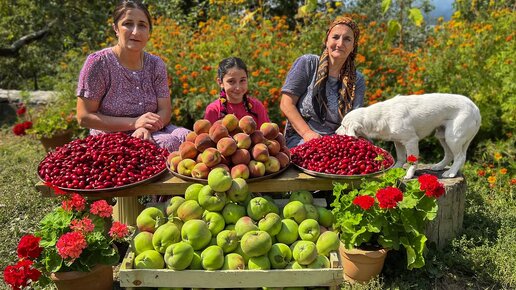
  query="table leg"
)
[{"x": 126, "y": 210}]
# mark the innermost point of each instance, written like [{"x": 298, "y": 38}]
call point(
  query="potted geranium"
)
[
  {"x": 73, "y": 247},
  {"x": 383, "y": 214}
]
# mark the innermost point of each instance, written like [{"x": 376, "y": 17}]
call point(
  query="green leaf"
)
[
  {"x": 408, "y": 201},
  {"x": 385, "y": 5},
  {"x": 429, "y": 206},
  {"x": 393, "y": 27},
  {"x": 415, "y": 247},
  {"x": 53, "y": 262},
  {"x": 416, "y": 16}
]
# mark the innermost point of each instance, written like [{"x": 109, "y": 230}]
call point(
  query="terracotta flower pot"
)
[
  {"x": 360, "y": 265},
  {"x": 99, "y": 278},
  {"x": 56, "y": 141}
]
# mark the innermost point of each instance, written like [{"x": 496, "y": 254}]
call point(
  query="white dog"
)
[{"x": 407, "y": 119}]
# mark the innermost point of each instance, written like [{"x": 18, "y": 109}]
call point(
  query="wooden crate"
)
[{"x": 135, "y": 278}]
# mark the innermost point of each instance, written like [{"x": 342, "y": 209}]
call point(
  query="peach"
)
[
  {"x": 191, "y": 136},
  {"x": 236, "y": 131},
  {"x": 172, "y": 155},
  {"x": 270, "y": 130},
  {"x": 256, "y": 168},
  {"x": 272, "y": 165},
  {"x": 243, "y": 140},
  {"x": 281, "y": 139},
  {"x": 257, "y": 137},
  {"x": 240, "y": 170},
  {"x": 224, "y": 160},
  {"x": 198, "y": 159},
  {"x": 223, "y": 166},
  {"x": 185, "y": 167},
  {"x": 283, "y": 159},
  {"x": 226, "y": 146},
  {"x": 201, "y": 171},
  {"x": 273, "y": 146},
  {"x": 187, "y": 150},
  {"x": 210, "y": 157},
  {"x": 260, "y": 152},
  {"x": 202, "y": 126},
  {"x": 230, "y": 121},
  {"x": 203, "y": 141},
  {"x": 247, "y": 124},
  {"x": 218, "y": 131},
  {"x": 241, "y": 156},
  {"x": 174, "y": 162}
]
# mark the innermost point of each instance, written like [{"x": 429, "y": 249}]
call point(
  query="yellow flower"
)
[
  {"x": 491, "y": 179},
  {"x": 503, "y": 171},
  {"x": 497, "y": 156}
]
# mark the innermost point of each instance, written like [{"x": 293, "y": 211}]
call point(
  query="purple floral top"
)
[
  {"x": 126, "y": 93},
  {"x": 122, "y": 92}
]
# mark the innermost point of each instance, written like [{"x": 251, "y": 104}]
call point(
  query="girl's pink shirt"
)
[{"x": 213, "y": 110}]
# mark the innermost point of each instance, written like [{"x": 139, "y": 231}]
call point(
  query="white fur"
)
[{"x": 407, "y": 119}]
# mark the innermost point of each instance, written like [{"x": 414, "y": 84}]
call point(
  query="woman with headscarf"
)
[{"x": 320, "y": 90}]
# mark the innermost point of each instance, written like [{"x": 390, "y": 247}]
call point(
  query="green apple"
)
[
  {"x": 305, "y": 252},
  {"x": 212, "y": 258},
  {"x": 230, "y": 227},
  {"x": 275, "y": 208},
  {"x": 173, "y": 205},
  {"x": 178, "y": 256},
  {"x": 271, "y": 223},
  {"x": 219, "y": 180},
  {"x": 256, "y": 243},
  {"x": 233, "y": 261},
  {"x": 215, "y": 222},
  {"x": 325, "y": 216},
  {"x": 149, "y": 259},
  {"x": 241, "y": 253},
  {"x": 196, "y": 261},
  {"x": 279, "y": 255},
  {"x": 295, "y": 265},
  {"x": 232, "y": 212},
  {"x": 295, "y": 210},
  {"x": 258, "y": 207},
  {"x": 327, "y": 242},
  {"x": 177, "y": 221},
  {"x": 319, "y": 263},
  {"x": 212, "y": 200},
  {"x": 259, "y": 263},
  {"x": 142, "y": 242},
  {"x": 303, "y": 196},
  {"x": 288, "y": 233},
  {"x": 239, "y": 190},
  {"x": 190, "y": 210},
  {"x": 196, "y": 233},
  {"x": 228, "y": 240},
  {"x": 244, "y": 225},
  {"x": 165, "y": 236},
  {"x": 311, "y": 212},
  {"x": 309, "y": 230},
  {"x": 150, "y": 219},
  {"x": 192, "y": 191}
]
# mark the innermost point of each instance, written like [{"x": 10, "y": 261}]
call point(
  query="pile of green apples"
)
[{"x": 222, "y": 226}]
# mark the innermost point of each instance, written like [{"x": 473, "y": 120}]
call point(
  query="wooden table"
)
[{"x": 127, "y": 207}]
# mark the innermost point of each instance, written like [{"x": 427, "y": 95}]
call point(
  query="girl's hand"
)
[
  {"x": 143, "y": 133},
  {"x": 307, "y": 136},
  {"x": 149, "y": 121}
]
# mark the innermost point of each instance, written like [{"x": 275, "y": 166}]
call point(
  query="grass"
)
[{"x": 482, "y": 257}]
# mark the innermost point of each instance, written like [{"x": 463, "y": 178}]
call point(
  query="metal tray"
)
[
  {"x": 148, "y": 180},
  {"x": 205, "y": 181},
  {"x": 338, "y": 176}
]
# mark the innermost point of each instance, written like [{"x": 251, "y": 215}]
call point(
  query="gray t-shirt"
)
[{"x": 300, "y": 82}]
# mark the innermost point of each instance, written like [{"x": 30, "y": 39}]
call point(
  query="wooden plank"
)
[{"x": 291, "y": 179}]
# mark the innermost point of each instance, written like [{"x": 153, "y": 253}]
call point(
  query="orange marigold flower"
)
[
  {"x": 513, "y": 181},
  {"x": 177, "y": 67},
  {"x": 255, "y": 73},
  {"x": 491, "y": 179},
  {"x": 194, "y": 74},
  {"x": 503, "y": 171},
  {"x": 497, "y": 156},
  {"x": 202, "y": 90},
  {"x": 213, "y": 92},
  {"x": 481, "y": 172}
]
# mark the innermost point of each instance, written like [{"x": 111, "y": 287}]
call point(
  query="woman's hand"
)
[
  {"x": 309, "y": 135},
  {"x": 149, "y": 121},
  {"x": 143, "y": 133}
]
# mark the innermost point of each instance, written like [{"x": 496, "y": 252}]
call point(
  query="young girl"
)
[{"x": 232, "y": 78}]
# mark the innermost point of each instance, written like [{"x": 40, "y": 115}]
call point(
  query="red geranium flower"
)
[
  {"x": 76, "y": 202},
  {"x": 19, "y": 129},
  {"x": 70, "y": 245},
  {"x": 388, "y": 197},
  {"x": 28, "y": 247},
  {"x": 412, "y": 159},
  {"x": 364, "y": 201},
  {"x": 118, "y": 230},
  {"x": 21, "y": 110},
  {"x": 101, "y": 208},
  {"x": 18, "y": 276},
  {"x": 431, "y": 185},
  {"x": 85, "y": 225}
]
